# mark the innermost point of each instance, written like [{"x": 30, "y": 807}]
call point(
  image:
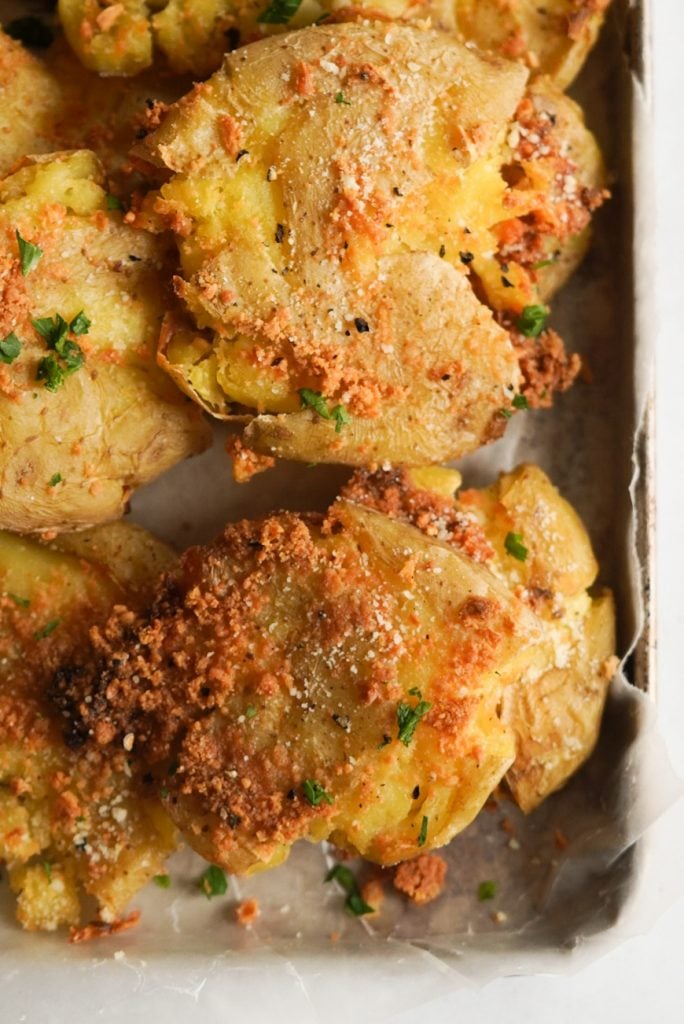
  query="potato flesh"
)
[
  {"x": 71, "y": 825},
  {"x": 287, "y": 268},
  {"x": 193, "y": 35},
  {"x": 89, "y": 434},
  {"x": 293, "y": 666},
  {"x": 556, "y": 709}
]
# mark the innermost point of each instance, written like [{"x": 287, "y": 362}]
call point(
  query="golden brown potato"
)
[
  {"x": 85, "y": 414},
  {"x": 311, "y": 678},
  {"x": 193, "y": 35},
  {"x": 50, "y": 103},
  {"x": 529, "y": 536},
  {"x": 355, "y": 678},
  {"x": 337, "y": 197},
  {"x": 72, "y": 826}
]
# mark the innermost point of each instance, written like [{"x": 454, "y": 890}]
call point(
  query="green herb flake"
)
[
  {"x": 486, "y": 890},
  {"x": 50, "y": 373},
  {"x": 514, "y": 546},
  {"x": 506, "y": 413},
  {"x": 279, "y": 12},
  {"x": 80, "y": 324},
  {"x": 30, "y": 31},
  {"x": 163, "y": 881},
  {"x": 51, "y": 626},
  {"x": 47, "y": 868},
  {"x": 345, "y": 878},
  {"x": 422, "y": 835},
  {"x": 113, "y": 202},
  {"x": 408, "y": 718},
  {"x": 250, "y": 711},
  {"x": 415, "y": 692},
  {"x": 22, "y": 602},
  {"x": 29, "y": 254},
  {"x": 315, "y": 400},
  {"x": 10, "y": 347},
  {"x": 339, "y": 98},
  {"x": 532, "y": 321},
  {"x": 314, "y": 793},
  {"x": 164, "y": 792},
  {"x": 542, "y": 264},
  {"x": 213, "y": 882},
  {"x": 357, "y": 906},
  {"x": 520, "y": 402},
  {"x": 341, "y": 417},
  {"x": 55, "y": 479}
]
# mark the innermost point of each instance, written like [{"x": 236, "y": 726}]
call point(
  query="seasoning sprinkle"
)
[
  {"x": 486, "y": 890},
  {"x": 163, "y": 881},
  {"x": 422, "y": 836},
  {"x": 532, "y": 321},
  {"x": 51, "y": 626},
  {"x": 279, "y": 12},
  {"x": 408, "y": 719},
  {"x": 10, "y": 347},
  {"x": 354, "y": 903}
]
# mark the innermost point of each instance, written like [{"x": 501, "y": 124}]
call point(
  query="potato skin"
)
[
  {"x": 71, "y": 457},
  {"x": 291, "y": 648},
  {"x": 554, "y": 708},
  {"x": 313, "y": 267},
  {"x": 73, "y": 826}
]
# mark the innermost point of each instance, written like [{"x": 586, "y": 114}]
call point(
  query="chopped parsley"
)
[
  {"x": 54, "y": 369},
  {"x": 250, "y": 711},
  {"x": 514, "y": 546},
  {"x": 422, "y": 836},
  {"x": 486, "y": 890},
  {"x": 532, "y": 321},
  {"x": 345, "y": 878},
  {"x": 55, "y": 479},
  {"x": 47, "y": 868},
  {"x": 415, "y": 692},
  {"x": 163, "y": 881},
  {"x": 113, "y": 202},
  {"x": 314, "y": 793},
  {"x": 279, "y": 12},
  {"x": 339, "y": 98},
  {"x": 520, "y": 402},
  {"x": 408, "y": 718},
  {"x": 506, "y": 413},
  {"x": 51, "y": 626},
  {"x": 213, "y": 882},
  {"x": 29, "y": 254},
  {"x": 30, "y": 31},
  {"x": 10, "y": 347},
  {"x": 315, "y": 400},
  {"x": 542, "y": 264},
  {"x": 23, "y": 602}
]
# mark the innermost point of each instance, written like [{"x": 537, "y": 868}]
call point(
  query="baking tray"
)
[{"x": 597, "y": 445}]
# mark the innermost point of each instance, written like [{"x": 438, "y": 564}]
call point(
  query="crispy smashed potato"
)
[
  {"x": 117, "y": 38},
  {"x": 49, "y": 103},
  {"x": 343, "y": 200},
  {"x": 368, "y": 677},
  {"x": 73, "y": 828},
  {"x": 85, "y": 414},
  {"x": 530, "y": 537}
]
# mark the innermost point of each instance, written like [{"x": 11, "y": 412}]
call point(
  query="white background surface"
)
[{"x": 641, "y": 981}]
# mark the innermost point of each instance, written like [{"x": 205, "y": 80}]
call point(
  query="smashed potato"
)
[
  {"x": 529, "y": 536},
  {"x": 49, "y": 104},
  {"x": 73, "y": 827},
  {"x": 341, "y": 204},
  {"x": 85, "y": 414},
  {"x": 193, "y": 35},
  {"x": 356, "y": 679}
]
